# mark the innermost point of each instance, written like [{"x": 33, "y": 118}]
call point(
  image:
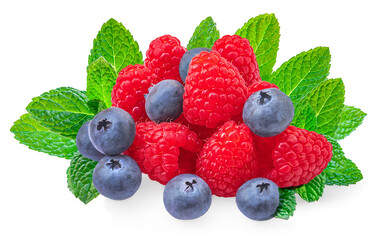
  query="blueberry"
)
[
  {"x": 268, "y": 112},
  {"x": 187, "y": 196},
  {"x": 258, "y": 199},
  {"x": 117, "y": 177},
  {"x": 164, "y": 102},
  {"x": 186, "y": 59},
  {"x": 84, "y": 144},
  {"x": 112, "y": 131}
]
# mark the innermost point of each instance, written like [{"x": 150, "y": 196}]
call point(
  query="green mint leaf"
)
[
  {"x": 304, "y": 117},
  {"x": 300, "y": 74},
  {"x": 313, "y": 190},
  {"x": 351, "y": 119},
  {"x": 204, "y": 35},
  {"x": 340, "y": 170},
  {"x": 327, "y": 101},
  {"x": 101, "y": 78},
  {"x": 263, "y": 34},
  {"x": 116, "y": 44},
  {"x": 287, "y": 203},
  {"x": 96, "y": 106},
  {"x": 62, "y": 110},
  {"x": 79, "y": 178},
  {"x": 39, "y": 138}
]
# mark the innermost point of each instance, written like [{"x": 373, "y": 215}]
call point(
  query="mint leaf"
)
[
  {"x": 304, "y": 117},
  {"x": 96, "y": 106},
  {"x": 204, "y": 35},
  {"x": 287, "y": 203},
  {"x": 79, "y": 178},
  {"x": 351, "y": 119},
  {"x": 313, "y": 190},
  {"x": 300, "y": 74},
  {"x": 340, "y": 170},
  {"x": 116, "y": 44},
  {"x": 101, "y": 78},
  {"x": 263, "y": 33},
  {"x": 327, "y": 101},
  {"x": 62, "y": 110},
  {"x": 39, "y": 138}
]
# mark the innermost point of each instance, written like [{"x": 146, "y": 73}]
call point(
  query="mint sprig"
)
[
  {"x": 39, "y": 138},
  {"x": 313, "y": 190},
  {"x": 351, "y": 119},
  {"x": 205, "y": 35},
  {"x": 263, "y": 34},
  {"x": 79, "y": 178},
  {"x": 116, "y": 44},
  {"x": 287, "y": 203}
]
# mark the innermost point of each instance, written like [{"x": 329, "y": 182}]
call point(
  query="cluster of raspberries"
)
[{"x": 210, "y": 139}]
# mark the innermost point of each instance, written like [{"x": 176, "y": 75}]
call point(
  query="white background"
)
[{"x": 45, "y": 45}]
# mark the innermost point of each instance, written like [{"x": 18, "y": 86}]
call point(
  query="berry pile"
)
[{"x": 205, "y": 123}]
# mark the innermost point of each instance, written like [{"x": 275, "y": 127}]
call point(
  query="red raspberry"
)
[
  {"x": 214, "y": 90},
  {"x": 294, "y": 157},
  {"x": 239, "y": 52},
  {"x": 163, "y": 57},
  {"x": 228, "y": 159},
  {"x": 131, "y": 85},
  {"x": 258, "y": 86},
  {"x": 164, "y": 150}
]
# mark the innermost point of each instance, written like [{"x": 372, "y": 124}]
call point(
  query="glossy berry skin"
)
[
  {"x": 186, "y": 59},
  {"x": 112, "y": 131},
  {"x": 117, "y": 177},
  {"x": 131, "y": 86},
  {"x": 214, "y": 91},
  {"x": 164, "y": 101},
  {"x": 238, "y": 51},
  {"x": 268, "y": 112},
  {"x": 228, "y": 159},
  {"x": 163, "y": 57},
  {"x": 85, "y": 146},
  {"x": 187, "y": 196},
  {"x": 258, "y": 199},
  {"x": 164, "y": 150}
]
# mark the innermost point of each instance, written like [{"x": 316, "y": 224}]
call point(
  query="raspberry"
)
[
  {"x": 214, "y": 90},
  {"x": 164, "y": 150},
  {"x": 239, "y": 52},
  {"x": 131, "y": 85},
  {"x": 258, "y": 86},
  {"x": 228, "y": 159},
  {"x": 163, "y": 57},
  {"x": 294, "y": 157}
]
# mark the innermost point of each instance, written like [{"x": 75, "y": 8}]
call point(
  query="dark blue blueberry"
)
[
  {"x": 164, "y": 102},
  {"x": 84, "y": 144},
  {"x": 268, "y": 112},
  {"x": 186, "y": 59},
  {"x": 187, "y": 196},
  {"x": 117, "y": 177},
  {"x": 258, "y": 199},
  {"x": 112, "y": 131}
]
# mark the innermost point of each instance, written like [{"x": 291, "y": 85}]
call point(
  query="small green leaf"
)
[
  {"x": 39, "y": 138},
  {"x": 340, "y": 170},
  {"x": 304, "y": 117},
  {"x": 313, "y": 190},
  {"x": 351, "y": 119},
  {"x": 263, "y": 34},
  {"x": 116, "y": 44},
  {"x": 62, "y": 110},
  {"x": 101, "y": 78},
  {"x": 79, "y": 178},
  {"x": 287, "y": 203},
  {"x": 300, "y": 74},
  {"x": 96, "y": 106},
  {"x": 204, "y": 35}
]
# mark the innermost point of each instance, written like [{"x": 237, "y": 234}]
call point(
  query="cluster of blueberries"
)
[{"x": 186, "y": 196}]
